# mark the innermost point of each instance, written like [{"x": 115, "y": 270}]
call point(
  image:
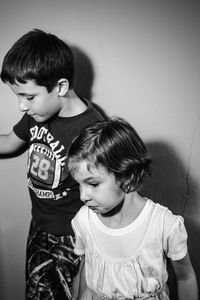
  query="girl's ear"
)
[
  {"x": 128, "y": 185},
  {"x": 63, "y": 87}
]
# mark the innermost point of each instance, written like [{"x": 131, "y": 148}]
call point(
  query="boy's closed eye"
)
[{"x": 30, "y": 98}]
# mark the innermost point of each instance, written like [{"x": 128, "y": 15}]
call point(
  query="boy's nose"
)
[{"x": 23, "y": 105}]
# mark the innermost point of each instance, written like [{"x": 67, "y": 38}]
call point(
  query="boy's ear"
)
[{"x": 63, "y": 86}]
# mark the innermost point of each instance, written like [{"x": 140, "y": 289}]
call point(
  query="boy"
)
[{"x": 39, "y": 69}]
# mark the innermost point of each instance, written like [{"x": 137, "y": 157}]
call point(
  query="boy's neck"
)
[{"x": 72, "y": 105}]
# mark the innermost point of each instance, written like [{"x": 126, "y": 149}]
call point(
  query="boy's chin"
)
[{"x": 39, "y": 119}]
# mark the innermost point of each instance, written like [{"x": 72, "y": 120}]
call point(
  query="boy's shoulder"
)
[{"x": 89, "y": 115}]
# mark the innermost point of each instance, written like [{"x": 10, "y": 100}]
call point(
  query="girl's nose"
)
[
  {"x": 23, "y": 105},
  {"x": 84, "y": 195}
]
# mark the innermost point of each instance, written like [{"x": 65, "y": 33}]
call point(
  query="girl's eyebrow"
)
[{"x": 91, "y": 178}]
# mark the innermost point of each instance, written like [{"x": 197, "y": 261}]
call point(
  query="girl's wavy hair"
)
[
  {"x": 38, "y": 56},
  {"x": 115, "y": 146}
]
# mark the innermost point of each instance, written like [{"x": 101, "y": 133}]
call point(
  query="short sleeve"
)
[
  {"x": 21, "y": 129},
  {"x": 79, "y": 247},
  {"x": 176, "y": 239}
]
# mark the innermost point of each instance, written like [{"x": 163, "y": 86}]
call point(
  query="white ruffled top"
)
[{"x": 130, "y": 262}]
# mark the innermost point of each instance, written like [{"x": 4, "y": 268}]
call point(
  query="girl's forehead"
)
[
  {"x": 84, "y": 170},
  {"x": 86, "y": 166}
]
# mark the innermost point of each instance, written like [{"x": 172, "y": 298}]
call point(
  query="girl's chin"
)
[{"x": 114, "y": 210}]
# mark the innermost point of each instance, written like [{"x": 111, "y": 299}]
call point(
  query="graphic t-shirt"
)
[{"x": 54, "y": 194}]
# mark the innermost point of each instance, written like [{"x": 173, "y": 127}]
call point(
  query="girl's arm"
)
[
  {"x": 79, "y": 283},
  {"x": 186, "y": 279}
]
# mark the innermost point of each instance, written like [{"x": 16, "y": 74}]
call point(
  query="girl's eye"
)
[{"x": 94, "y": 184}]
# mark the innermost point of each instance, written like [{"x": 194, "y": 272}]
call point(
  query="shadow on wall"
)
[
  {"x": 84, "y": 73},
  {"x": 84, "y": 77},
  {"x": 168, "y": 186}
]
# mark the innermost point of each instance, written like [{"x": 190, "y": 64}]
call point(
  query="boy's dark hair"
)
[
  {"x": 38, "y": 56},
  {"x": 116, "y": 146}
]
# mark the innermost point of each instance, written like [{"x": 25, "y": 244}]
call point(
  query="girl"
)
[{"x": 126, "y": 239}]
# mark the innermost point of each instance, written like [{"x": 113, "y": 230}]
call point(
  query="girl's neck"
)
[{"x": 130, "y": 209}]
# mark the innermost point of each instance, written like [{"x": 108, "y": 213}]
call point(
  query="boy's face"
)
[
  {"x": 36, "y": 101},
  {"x": 98, "y": 189}
]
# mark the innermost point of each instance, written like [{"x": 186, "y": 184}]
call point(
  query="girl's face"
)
[{"x": 98, "y": 189}]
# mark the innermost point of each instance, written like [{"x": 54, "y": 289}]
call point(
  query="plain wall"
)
[{"x": 136, "y": 59}]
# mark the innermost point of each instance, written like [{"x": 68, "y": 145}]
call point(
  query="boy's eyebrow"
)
[{"x": 25, "y": 94}]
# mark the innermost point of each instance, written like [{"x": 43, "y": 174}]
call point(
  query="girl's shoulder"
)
[
  {"x": 81, "y": 219},
  {"x": 160, "y": 214},
  {"x": 161, "y": 210},
  {"x": 173, "y": 231},
  {"x": 169, "y": 218},
  {"x": 81, "y": 215}
]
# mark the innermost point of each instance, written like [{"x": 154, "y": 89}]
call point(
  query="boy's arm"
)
[
  {"x": 79, "y": 283},
  {"x": 9, "y": 143},
  {"x": 186, "y": 279}
]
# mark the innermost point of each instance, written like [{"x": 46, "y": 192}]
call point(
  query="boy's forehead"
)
[{"x": 28, "y": 87}]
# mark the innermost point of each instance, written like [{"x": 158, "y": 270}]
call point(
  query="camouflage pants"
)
[{"x": 50, "y": 265}]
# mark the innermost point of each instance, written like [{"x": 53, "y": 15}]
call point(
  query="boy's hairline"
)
[{"x": 17, "y": 82}]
